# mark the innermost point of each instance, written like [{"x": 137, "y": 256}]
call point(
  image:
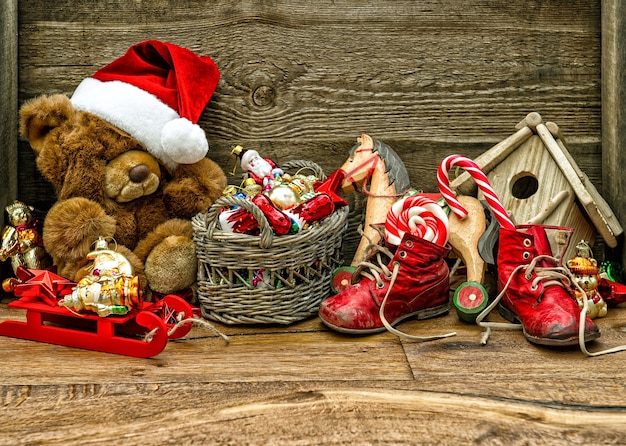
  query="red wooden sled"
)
[{"x": 141, "y": 333}]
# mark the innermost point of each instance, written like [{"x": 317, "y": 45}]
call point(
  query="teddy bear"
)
[
  {"x": 21, "y": 242},
  {"x": 128, "y": 163},
  {"x": 586, "y": 274}
]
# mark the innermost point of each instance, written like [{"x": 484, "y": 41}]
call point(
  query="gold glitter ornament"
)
[
  {"x": 283, "y": 196},
  {"x": 587, "y": 276},
  {"x": 251, "y": 188},
  {"x": 105, "y": 295},
  {"x": 22, "y": 242},
  {"x": 230, "y": 190},
  {"x": 109, "y": 288}
]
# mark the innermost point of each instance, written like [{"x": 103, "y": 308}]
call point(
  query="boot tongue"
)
[{"x": 542, "y": 244}]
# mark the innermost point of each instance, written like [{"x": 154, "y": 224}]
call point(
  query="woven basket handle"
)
[
  {"x": 212, "y": 220},
  {"x": 303, "y": 166}
]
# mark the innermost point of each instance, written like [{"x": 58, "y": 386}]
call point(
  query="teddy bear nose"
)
[{"x": 139, "y": 173}]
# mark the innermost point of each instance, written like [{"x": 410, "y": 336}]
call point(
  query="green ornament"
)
[{"x": 613, "y": 271}]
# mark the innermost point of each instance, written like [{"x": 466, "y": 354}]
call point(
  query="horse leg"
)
[
  {"x": 464, "y": 235},
  {"x": 470, "y": 298},
  {"x": 375, "y": 212}
]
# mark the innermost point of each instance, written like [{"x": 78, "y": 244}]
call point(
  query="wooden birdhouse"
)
[{"x": 538, "y": 182}]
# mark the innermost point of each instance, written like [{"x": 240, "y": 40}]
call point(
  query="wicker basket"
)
[{"x": 295, "y": 271}]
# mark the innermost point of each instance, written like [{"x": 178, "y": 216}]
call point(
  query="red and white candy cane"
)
[
  {"x": 483, "y": 184},
  {"x": 417, "y": 215}
]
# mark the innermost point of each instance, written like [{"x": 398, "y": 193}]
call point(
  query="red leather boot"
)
[
  {"x": 413, "y": 282},
  {"x": 535, "y": 288}
]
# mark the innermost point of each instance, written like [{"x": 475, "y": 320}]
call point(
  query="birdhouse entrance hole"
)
[{"x": 524, "y": 186}]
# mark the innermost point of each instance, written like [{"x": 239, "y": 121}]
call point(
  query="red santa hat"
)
[{"x": 156, "y": 93}]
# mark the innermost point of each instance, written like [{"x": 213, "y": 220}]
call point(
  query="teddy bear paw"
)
[{"x": 172, "y": 265}]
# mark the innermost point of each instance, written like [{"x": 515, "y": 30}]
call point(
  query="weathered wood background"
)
[
  {"x": 613, "y": 103},
  {"x": 8, "y": 98},
  {"x": 304, "y": 80}
]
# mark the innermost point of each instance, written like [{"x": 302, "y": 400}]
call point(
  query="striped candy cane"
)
[{"x": 483, "y": 184}]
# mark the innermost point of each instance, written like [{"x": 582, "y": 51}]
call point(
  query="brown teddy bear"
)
[{"x": 128, "y": 161}]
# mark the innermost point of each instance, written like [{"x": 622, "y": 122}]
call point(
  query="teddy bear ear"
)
[{"x": 41, "y": 115}]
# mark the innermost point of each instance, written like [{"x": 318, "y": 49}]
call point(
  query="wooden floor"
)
[{"x": 303, "y": 384}]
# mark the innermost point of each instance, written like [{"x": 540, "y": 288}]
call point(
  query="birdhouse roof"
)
[{"x": 596, "y": 208}]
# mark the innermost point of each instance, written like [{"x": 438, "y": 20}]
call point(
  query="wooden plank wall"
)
[
  {"x": 8, "y": 99},
  {"x": 304, "y": 79},
  {"x": 613, "y": 103}
]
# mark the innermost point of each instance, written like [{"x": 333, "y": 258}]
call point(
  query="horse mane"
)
[{"x": 394, "y": 166}]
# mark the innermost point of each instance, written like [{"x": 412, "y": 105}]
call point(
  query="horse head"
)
[{"x": 368, "y": 157}]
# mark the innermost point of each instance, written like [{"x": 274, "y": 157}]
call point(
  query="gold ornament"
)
[
  {"x": 22, "y": 243},
  {"x": 283, "y": 196},
  {"x": 109, "y": 288},
  {"x": 586, "y": 274}
]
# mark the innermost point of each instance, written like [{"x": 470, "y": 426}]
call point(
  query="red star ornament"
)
[
  {"x": 331, "y": 186},
  {"x": 42, "y": 285}
]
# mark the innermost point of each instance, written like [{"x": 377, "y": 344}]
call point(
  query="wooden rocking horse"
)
[
  {"x": 376, "y": 170},
  {"x": 371, "y": 161}
]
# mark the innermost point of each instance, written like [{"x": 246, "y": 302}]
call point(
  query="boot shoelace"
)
[
  {"x": 379, "y": 272},
  {"x": 557, "y": 275}
]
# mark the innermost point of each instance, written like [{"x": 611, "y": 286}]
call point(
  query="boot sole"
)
[
  {"x": 426, "y": 313},
  {"x": 551, "y": 342}
]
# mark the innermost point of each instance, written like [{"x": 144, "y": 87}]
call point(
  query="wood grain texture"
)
[
  {"x": 430, "y": 79},
  {"x": 613, "y": 98},
  {"x": 305, "y": 385},
  {"x": 8, "y": 111},
  {"x": 320, "y": 413}
]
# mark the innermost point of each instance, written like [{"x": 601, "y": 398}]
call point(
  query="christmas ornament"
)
[
  {"x": 105, "y": 295},
  {"x": 41, "y": 285},
  {"x": 613, "y": 271},
  {"x": 332, "y": 185},
  {"x": 22, "y": 243},
  {"x": 283, "y": 196},
  {"x": 257, "y": 167},
  {"x": 238, "y": 220},
  {"x": 279, "y": 221},
  {"x": 586, "y": 274},
  {"x": 314, "y": 209},
  {"x": 288, "y": 201},
  {"x": 110, "y": 287},
  {"x": 106, "y": 261},
  {"x": 251, "y": 188}
]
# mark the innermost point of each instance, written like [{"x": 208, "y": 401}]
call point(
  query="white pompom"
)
[{"x": 184, "y": 142}]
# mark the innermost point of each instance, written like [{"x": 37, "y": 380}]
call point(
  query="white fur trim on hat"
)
[
  {"x": 184, "y": 141},
  {"x": 143, "y": 116}
]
